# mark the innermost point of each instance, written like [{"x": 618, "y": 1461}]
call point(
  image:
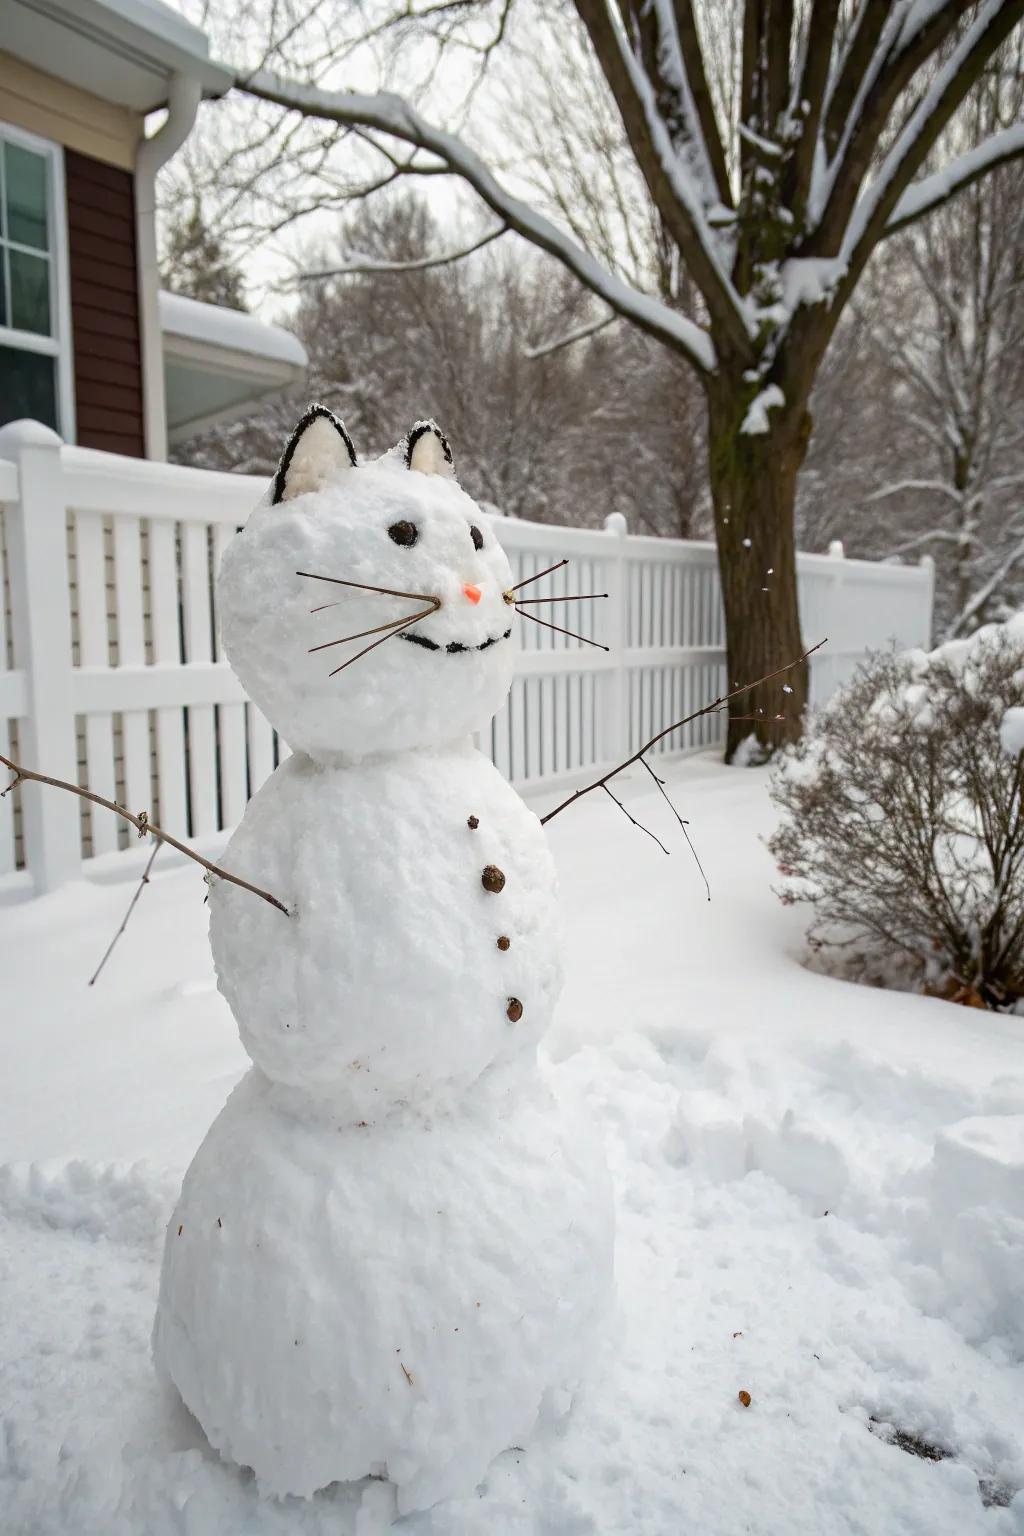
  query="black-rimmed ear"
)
[
  {"x": 317, "y": 449},
  {"x": 427, "y": 450}
]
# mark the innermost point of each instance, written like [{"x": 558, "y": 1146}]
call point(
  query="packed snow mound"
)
[
  {"x": 447, "y": 681},
  {"x": 338, "y": 1302},
  {"x": 387, "y": 982}
]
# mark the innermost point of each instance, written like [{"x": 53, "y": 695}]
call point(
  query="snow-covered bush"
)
[{"x": 902, "y": 821}]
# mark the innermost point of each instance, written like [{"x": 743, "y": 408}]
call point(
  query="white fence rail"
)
[{"x": 111, "y": 672}]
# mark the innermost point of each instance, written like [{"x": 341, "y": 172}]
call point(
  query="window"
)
[{"x": 35, "y": 339}]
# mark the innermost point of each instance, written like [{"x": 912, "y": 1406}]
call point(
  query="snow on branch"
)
[
  {"x": 977, "y": 603},
  {"x": 868, "y": 223},
  {"x": 569, "y": 339},
  {"x": 393, "y": 115},
  {"x": 365, "y": 265},
  {"x": 677, "y": 174},
  {"x": 932, "y": 191},
  {"x": 938, "y": 487}
]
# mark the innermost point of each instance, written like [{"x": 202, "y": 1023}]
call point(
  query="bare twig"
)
[
  {"x": 581, "y": 333},
  {"x": 124, "y": 921},
  {"x": 678, "y": 725},
  {"x": 421, "y": 264},
  {"x": 141, "y": 823}
]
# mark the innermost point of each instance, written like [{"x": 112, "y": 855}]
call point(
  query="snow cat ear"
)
[
  {"x": 427, "y": 450},
  {"x": 317, "y": 449}
]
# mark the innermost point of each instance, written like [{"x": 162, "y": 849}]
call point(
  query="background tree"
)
[
  {"x": 774, "y": 179},
  {"x": 195, "y": 262},
  {"x": 918, "y": 445},
  {"x": 573, "y": 432}
]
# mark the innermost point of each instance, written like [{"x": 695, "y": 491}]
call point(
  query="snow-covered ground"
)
[{"x": 804, "y": 1215}]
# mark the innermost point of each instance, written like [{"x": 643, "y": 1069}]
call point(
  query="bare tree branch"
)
[
  {"x": 994, "y": 23},
  {"x": 923, "y": 197},
  {"x": 392, "y": 115},
  {"x": 675, "y": 185},
  {"x": 423, "y": 264},
  {"x": 581, "y": 332}
]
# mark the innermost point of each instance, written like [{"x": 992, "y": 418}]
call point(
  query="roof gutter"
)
[{"x": 183, "y": 101}]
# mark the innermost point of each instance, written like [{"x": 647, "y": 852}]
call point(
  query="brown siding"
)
[{"x": 104, "y": 305}]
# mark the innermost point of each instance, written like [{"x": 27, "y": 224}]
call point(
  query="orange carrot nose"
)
[{"x": 473, "y": 593}]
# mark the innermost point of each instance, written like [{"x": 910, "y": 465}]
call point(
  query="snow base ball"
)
[{"x": 393, "y": 1250}]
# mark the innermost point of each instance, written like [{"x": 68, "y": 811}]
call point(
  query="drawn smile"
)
[{"x": 453, "y": 646}]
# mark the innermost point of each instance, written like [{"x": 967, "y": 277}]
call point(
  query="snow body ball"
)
[{"x": 393, "y": 1251}]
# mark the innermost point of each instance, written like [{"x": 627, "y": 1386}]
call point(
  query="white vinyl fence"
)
[{"x": 111, "y": 673}]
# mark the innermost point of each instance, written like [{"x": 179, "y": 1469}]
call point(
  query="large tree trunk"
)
[{"x": 753, "y": 486}]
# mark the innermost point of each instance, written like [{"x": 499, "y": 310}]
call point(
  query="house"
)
[{"x": 88, "y": 344}]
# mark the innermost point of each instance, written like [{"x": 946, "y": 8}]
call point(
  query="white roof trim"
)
[
  {"x": 152, "y": 42},
  {"x": 227, "y": 330}
]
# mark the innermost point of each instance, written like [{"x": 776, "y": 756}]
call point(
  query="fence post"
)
[
  {"x": 826, "y": 666},
  {"x": 614, "y": 693},
  {"x": 41, "y": 630},
  {"x": 927, "y": 564}
]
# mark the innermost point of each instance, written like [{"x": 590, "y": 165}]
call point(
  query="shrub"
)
[{"x": 902, "y": 821}]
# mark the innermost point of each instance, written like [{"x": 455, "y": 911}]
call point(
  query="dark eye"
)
[
  {"x": 404, "y": 533},
  {"x": 477, "y": 537}
]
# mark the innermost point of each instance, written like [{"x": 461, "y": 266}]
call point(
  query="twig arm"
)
[
  {"x": 127, "y": 917},
  {"x": 678, "y": 725},
  {"x": 141, "y": 823}
]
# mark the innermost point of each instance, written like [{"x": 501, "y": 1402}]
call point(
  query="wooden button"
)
[
  {"x": 514, "y": 1010},
  {"x": 492, "y": 879},
  {"x": 504, "y": 942}
]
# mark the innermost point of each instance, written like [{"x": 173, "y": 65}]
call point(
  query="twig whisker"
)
[
  {"x": 376, "y": 630},
  {"x": 363, "y": 586},
  {"x": 570, "y": 632},
  {"x": 580, "y": 597},
  {"x": 527, "y": 579},
  {"x": 393, "y": 630}
]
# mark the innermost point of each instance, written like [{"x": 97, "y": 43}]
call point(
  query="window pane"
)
[
  {"x": 27, "y": 386},
  {"x": 25, "y": 188},
  {"x": 30, "y": 292}
]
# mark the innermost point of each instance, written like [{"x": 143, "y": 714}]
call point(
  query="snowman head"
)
[{"x": 366, "y": 607}]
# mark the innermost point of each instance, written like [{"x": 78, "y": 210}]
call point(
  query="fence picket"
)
[
  {"x": 94, "y": 651},
  {"x": 165, "y": 617},
  {"x": 201, "y": 736},
  {"x": 131, "y": 652},
  {"x": 230, "y": 723}
]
